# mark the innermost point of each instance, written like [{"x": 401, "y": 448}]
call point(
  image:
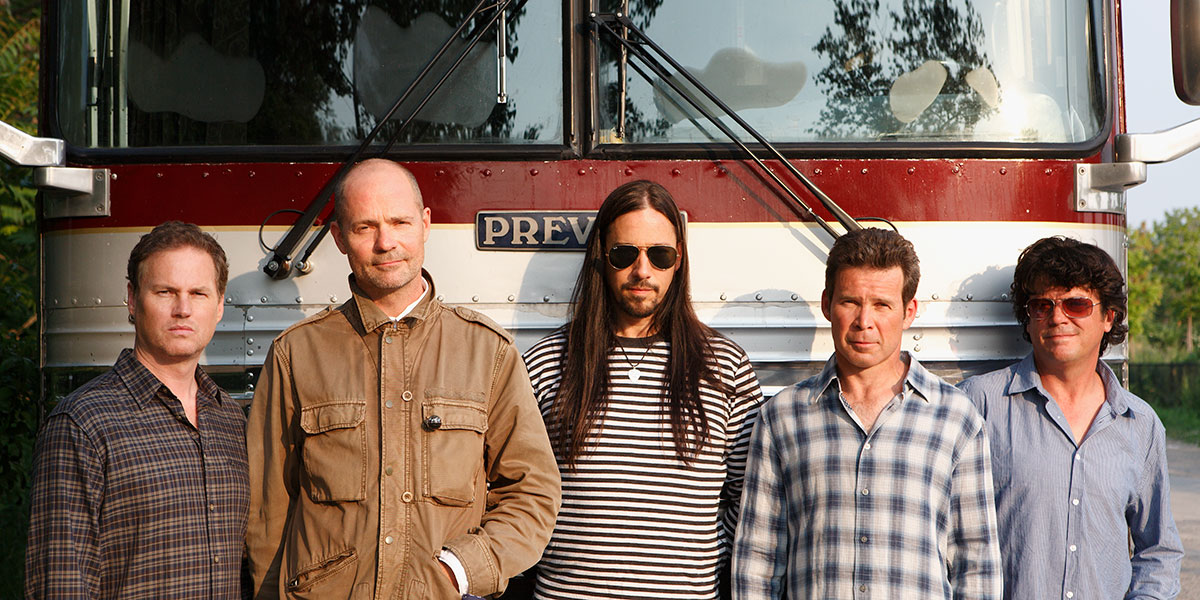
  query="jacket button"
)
[
  {"x": 407, "y": 497},
  {"x": 407, "y": 395},
  {"x": 433, "y": 422},
  {"x": 387, "y": 540},
  {"x": 388, "y": 470}
]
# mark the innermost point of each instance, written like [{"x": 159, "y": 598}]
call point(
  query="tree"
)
[
  {"x": 1177, "y": 261},
  {"x": 1144, "y": 283}
]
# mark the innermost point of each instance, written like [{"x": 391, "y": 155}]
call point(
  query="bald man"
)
[{"x": 396, "y": 450}]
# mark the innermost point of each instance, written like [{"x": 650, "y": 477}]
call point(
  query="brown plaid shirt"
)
[{"x": 130, "y": 500}]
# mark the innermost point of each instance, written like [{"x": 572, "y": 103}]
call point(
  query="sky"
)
[{"x": 1151, "y": 105}]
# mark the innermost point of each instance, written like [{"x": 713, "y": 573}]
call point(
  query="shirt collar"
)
[
  {"x": 373, "y": 317},
  {"x": 143, "y": 386},
  {"x": 920, "y": 381},
  {"x": 1026, "y": 378}
]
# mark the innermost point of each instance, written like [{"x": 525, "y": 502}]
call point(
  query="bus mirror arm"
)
[
  {"x": 1158, "y": 147},
  {"x": 24, "y": 150},
  {"x": 279, "y": 265},
  {"x": 637, "y": 47}
]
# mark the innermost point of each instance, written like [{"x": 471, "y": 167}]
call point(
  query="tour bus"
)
[{"x": 972, "y": 127}]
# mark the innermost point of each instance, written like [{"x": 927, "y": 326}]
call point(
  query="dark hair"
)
[
  {"x": 582, "y": 394},
  {"x": 875, "y": 249},
  {"x": 339, "y": 190},
  {"x": 1062, "y": 262},
  {"x": 172, "y": 235}
]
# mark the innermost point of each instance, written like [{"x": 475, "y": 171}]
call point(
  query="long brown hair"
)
[{"x": 582, "y": 394}]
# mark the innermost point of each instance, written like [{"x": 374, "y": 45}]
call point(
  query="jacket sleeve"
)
[
  {"x": 973, "y": 553},
  {"x": 524, "y": 487},
  {"x": 63, "y": 555},
  {"x": 273, "y": 456},
  {"x": 1157, "y": 548}
]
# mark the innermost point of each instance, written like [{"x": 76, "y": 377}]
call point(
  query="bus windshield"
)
[
  {"x": 141, "y": 73},
  {"x": 136, "y": 73},
  {"x": 1023, "y": 71}
]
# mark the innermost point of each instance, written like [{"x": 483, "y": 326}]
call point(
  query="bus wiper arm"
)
[
  {"x": 279, "y": 266},
  {"x": 641, "y": 46}
]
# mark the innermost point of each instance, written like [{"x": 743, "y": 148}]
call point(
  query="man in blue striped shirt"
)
[
  {"x": 872, "y": 479},
  {"x": 1079, "y": 463}
]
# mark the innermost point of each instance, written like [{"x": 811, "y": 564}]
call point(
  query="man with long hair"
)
[
  {"x": 649, "y": 411},
  {"x": 872, "y": 478},
  {"x": 1080, "y": 463}
]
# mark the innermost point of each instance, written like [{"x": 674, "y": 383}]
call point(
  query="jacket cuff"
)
[{"x": 473, "y": 550}]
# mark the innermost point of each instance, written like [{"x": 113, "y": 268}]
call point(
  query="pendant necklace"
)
[{"x": 634, "y": 373}]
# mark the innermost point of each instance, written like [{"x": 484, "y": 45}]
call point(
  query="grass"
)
[{"x": 1182, "y": 422}]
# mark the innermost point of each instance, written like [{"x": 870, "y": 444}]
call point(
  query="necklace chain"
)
[{"x": 634, "y": 373}]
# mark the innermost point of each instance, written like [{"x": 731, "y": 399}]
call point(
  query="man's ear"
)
[
  {"x": 130, "y": 300},
  {"x": 826, "y": 304},
  {"x": 335, "y": 230}
]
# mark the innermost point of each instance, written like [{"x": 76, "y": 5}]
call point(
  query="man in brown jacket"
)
[{"x": 395, "y": 447}]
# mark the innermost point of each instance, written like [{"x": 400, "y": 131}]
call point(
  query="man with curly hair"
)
[{"x": 1079, "y": 463}]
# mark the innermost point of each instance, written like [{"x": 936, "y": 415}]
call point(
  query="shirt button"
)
[
  {"x": 388, "y": 470},
  {"x": 216, "y": 559},
  {"x": 863, "y": 539},
  {"x": 387, "y": 540},
  {"x": 867, "y": 446},
  {"x": 1070, "y": 594},
  {"x": 1073, "y": 548},
  {"x": 387, "y": 340},
  {"x": 406, "y": 496},
  {"x": 865, "y": 491},
  {"x": 388, "y": 404},
  {"x": 211, "y": 507},
  {"x": 407, "y": 395},
  {"x": 862, "y": 588},
  {"x": 1075, "y": 501}
]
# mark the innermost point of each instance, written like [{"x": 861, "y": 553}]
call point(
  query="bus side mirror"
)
[{"x": 1185, "y": 49}]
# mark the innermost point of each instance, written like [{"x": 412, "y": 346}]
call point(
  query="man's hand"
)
[{"x": 449, "y": 574}]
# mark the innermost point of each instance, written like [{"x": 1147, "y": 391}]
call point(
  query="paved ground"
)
[{"x": 1184, "y": 462}]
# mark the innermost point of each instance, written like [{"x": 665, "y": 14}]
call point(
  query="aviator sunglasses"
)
[
  {"x": 622, "y": 256},
  {"x": 1076, "y": 308}
]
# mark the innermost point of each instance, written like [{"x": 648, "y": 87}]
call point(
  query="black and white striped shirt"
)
[{"x": 636, "y": 522}]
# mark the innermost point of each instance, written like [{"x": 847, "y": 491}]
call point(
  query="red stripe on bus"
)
[{"x": 241, "y": 194}]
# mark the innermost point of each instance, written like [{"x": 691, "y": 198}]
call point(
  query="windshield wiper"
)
[
  {"x": 280, "y": 264},
  {"x": 641, "y": 46}
]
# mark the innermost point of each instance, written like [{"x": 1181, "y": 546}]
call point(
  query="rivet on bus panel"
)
[
  {"x": 954, "y": 169},
  {"x": 583, "y": 171},
  {"x": 758, "y": 297},
  {"x": 675, "y": 172},
  {"x": 816, "y": 171},
  {"x": 795, "y": 297},
  {"x": 511, "y": 297},
  {"x": 251, "y": 173},
  {"x": 1003, "y": 170},
  {"x": 158, "y": 175},
  {"x": 441, "y": 298},
  {"x": 204, "y": 175},
  {"x": 263, "y": 299},
  {"x": 545, "y": 298},
  {"x": 722, "y": 295},
  {"x": 474, "y": 298},
  {"x": 935, "y": 296},
  {"x": 333, "y": 298},
  {"x": 970, "y": 297},
  {"x": 249, "y": 340},
  {"x": 299, "y": 300},
  {"x": 533, "y": 172},
  {"x": 864, "y": 171},
  {"x": 249, "y": 317},
  {"x": 912, "y": 170},
  {"x": 97, "y": 300},
  {"x": 486, "y": 172}
]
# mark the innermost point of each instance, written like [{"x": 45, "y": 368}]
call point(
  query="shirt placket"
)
[
  {"x": 1076, "y": 498},
  {"x": 864, "y": 503},
  {"x": 395, "y": 497}
]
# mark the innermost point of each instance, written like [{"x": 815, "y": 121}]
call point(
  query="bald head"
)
[{"x": 367, "y": 174}]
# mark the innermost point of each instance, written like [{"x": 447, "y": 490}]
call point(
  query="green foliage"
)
[
  {"x": 19, "y": 389},
  {"x": 1164, "y": 288}
]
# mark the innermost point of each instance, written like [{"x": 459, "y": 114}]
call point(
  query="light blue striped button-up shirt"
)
[
  {"x": 1067, "y": 511},
  {"x": 902, "y": 511}
]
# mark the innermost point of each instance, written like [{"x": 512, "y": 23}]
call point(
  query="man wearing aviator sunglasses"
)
[
  {"x": 1079, "y": 463},
  {"x": 650, "y": 413}
]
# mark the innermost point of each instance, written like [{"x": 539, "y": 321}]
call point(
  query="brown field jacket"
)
[{"x": 374, "y": 444}]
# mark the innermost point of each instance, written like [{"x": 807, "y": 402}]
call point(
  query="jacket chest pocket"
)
[
  {"x": 334, "y": 451},
  {"x": 452, "y": 429}
]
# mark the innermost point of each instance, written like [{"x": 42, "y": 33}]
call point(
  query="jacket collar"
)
[{"x": 372, "y": 317}]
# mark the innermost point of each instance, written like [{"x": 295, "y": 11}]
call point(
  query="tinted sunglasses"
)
[
  {"x": 622, "y": 256},
  {"x": 1076, "y": 308}
]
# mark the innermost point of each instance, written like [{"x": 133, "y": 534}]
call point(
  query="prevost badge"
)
[{"x": 533, "y": 229}]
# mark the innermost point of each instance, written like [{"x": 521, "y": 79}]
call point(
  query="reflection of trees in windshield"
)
[
  {"x": 930, "y": 63},
  {"x": 637, "y": 125},
  {"x": 303, "y": 50}
]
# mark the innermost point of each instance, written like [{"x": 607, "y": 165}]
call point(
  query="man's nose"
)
[
  {"x": 385, "y": 239},
  {"x": 642, "y": 269}
]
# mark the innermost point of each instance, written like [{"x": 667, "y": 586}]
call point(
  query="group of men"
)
[{"x": 397, "y": 447}]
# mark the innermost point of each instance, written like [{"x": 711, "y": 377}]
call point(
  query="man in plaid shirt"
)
[
  {"x": 872, "y": 479},
  {"x": 140, "y": 483}
]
